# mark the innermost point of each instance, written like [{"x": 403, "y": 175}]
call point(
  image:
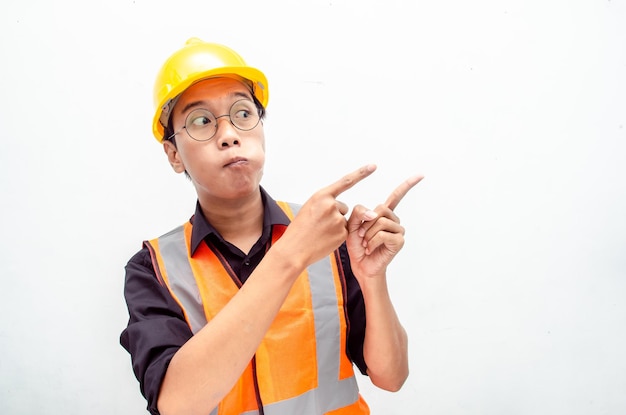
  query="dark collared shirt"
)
[{"x": 157, "y": 327}]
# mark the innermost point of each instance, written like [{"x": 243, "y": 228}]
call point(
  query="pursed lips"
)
[{"x": 235, "y": 160}]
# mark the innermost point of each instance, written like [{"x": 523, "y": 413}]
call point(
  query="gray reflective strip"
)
[
  {"x": 331, "y": 392},
  {"x": 174, "y": 252}
]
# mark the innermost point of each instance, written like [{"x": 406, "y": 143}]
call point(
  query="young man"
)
[{"x": 256, "y": 306}]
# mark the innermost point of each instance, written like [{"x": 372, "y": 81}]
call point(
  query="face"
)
[{"x": 230, "y": 164}]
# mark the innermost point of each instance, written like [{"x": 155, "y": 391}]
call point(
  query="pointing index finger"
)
[
  {"x": 349, "y": 180},
  {"x": 399, "y": 192}
]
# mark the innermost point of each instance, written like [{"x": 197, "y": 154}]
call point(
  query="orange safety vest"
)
[{"x": 301, "y": 366}]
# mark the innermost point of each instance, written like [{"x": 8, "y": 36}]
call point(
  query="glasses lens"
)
[
  {"x": 201, "y": 124},
  {"x": 244, "y": 115}
]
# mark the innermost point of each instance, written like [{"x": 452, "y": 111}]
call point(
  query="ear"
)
[{"x": 173, "y": 156}]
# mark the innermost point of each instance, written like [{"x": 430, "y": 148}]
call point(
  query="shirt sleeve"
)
[
  {"x": 356, "y": 313},
  {"x": 156, "y": 326}
]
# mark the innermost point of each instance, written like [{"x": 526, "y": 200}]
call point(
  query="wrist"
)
[
  {"x": 373, "y": 285},
  {"x": 290, "y": 261}
]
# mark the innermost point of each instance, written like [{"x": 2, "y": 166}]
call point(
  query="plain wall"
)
[{"x": 511, "y": 283}]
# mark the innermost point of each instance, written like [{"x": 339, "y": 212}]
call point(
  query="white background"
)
[{"x": 512, "y": 280}]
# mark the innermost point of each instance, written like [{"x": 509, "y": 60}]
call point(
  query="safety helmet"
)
[{"x": 196, "y": 61}]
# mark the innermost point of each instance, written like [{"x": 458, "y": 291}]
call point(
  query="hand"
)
[
  {"x": 321, "y": 226},
  {"x": 375, "y": 237}
]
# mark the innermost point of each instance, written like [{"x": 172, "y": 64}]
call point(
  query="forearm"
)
[
  {"x": 385, "y": 348},
  {"x": 204, "y": 370}
]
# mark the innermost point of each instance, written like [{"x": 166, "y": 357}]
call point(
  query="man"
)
[{"x": 256, "y": 306}]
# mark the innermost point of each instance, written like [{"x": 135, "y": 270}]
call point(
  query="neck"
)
[{"x": 239, "y": 221}]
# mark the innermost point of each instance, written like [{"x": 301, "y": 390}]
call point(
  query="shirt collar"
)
[{"x": 272, "y": 215}]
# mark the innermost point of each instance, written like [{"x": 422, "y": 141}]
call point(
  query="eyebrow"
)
[{"x": 202, "y": 103}]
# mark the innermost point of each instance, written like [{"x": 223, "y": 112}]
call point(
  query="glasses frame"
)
[{"x": 217, "y": 117}]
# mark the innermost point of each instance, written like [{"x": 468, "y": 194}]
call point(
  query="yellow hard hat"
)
[{"x": 199, "y": 60}]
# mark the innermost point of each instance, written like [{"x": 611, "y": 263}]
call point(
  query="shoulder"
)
[
  {"x": 140, "y": 272},
  {"x": 140, "y": 258}
]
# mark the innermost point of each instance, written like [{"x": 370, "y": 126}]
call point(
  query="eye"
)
[
  {"x": 200, "y": 121},
  {"x": 243, "y": 113},
  {"x": 243, "y": 110}
]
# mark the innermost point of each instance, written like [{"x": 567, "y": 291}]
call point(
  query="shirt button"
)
[{"x": 246, "y": 263}]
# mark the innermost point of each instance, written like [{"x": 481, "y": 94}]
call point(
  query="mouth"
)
[{"x": 235, "y": 161}]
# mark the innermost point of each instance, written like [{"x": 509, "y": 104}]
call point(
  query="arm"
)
[
  {"x": 372, "y": 244},
  {"x": 385, "y": 348},
  {"x": 156, "y": 327},
  {"x": 205, "y": 368}
]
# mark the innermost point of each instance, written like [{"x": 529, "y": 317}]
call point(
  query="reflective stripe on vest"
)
[{"x": 331, "y": 391}]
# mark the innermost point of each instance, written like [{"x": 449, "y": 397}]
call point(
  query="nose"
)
[{"x": 226, "y": 135}]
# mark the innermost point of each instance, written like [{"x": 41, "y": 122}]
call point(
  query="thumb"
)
[{"x": 359, "y": 215}]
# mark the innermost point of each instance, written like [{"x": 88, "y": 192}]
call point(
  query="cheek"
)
[
  {"x": 194, "y": 157},
  {"x": 260, "y": 142},
  {"x": 261, "y": 135},
  {"x": 258, "y": 155},
  {"x": 263, "y": 154}
]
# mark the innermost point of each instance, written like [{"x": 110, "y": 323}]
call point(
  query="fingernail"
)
[{"x": 415, "y": 179}]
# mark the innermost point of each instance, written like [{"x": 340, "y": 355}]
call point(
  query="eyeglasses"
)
[{"x": 201, "y": 124}]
